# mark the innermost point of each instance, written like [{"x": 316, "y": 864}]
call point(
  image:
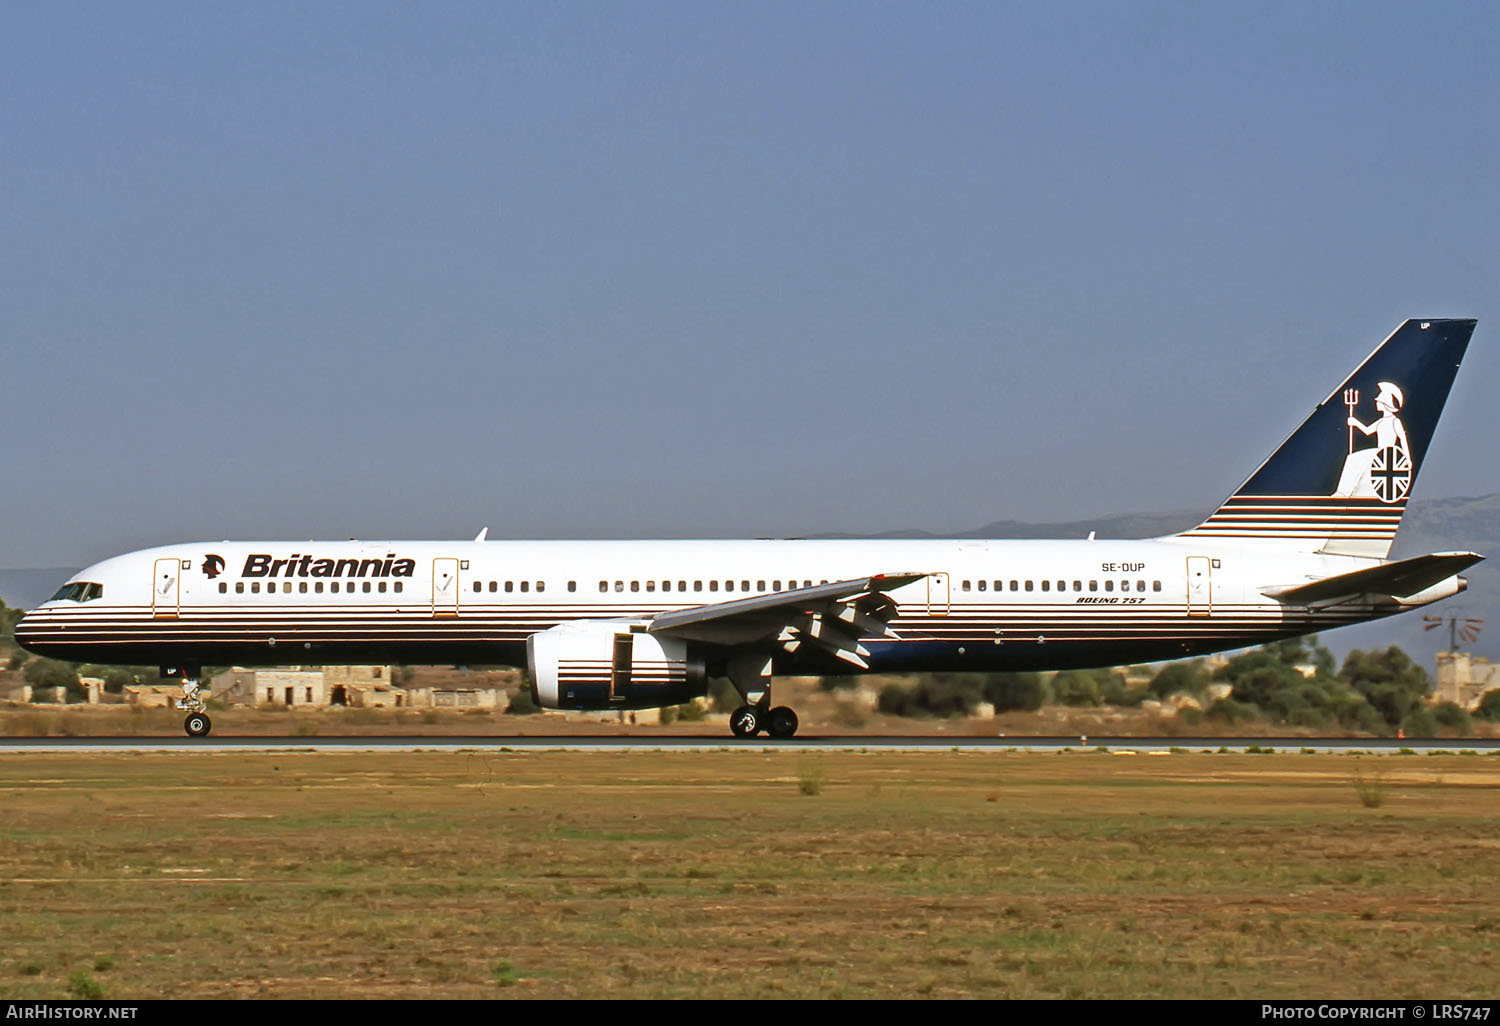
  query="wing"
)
[
  {"x": 832, "y": 617},
  {"x": 1398, "y": 580}
]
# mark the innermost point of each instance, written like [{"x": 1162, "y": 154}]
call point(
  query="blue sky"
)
[{"x": 710, "y": 269}]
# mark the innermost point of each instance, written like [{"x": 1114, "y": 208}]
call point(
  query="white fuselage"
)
[{"x": 984, "y": 605}]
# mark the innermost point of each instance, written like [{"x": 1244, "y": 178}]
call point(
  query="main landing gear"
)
[
  {"x": 197, "y": 722},
  {"x": 751, "y": 676},
  {"x": 749, "y": 720}
]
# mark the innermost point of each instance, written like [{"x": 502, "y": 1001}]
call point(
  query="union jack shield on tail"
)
[{"x": 1390, "y": 473}]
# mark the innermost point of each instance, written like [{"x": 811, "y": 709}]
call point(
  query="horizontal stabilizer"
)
[{"x": 1398, "y": 580}]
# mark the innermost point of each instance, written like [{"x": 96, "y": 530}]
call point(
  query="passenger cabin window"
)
[
  {"x": 223, "y": 587},
  {"x": 603, "y": 586},
  {"x": 966, "y": 586},
  {"x": 1046, "y": 585},
  {"x": 1156, "y": 586},
  {"x": 525, "y": 585},
  {"x": 1028, "y": 585},
  {"x": 572, "y": 585},
  {"x": 510, "y": 586},
  {"x": 981, "y": 585}
]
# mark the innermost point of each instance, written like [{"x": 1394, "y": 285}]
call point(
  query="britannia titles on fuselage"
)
[{"x": 262, "y": 564}]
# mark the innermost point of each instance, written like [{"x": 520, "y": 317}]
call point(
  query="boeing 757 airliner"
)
[{"x": 1301, "y": 546}]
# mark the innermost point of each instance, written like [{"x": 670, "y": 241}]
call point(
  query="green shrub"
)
[
  {"x": 1421, "y": 723},
  {"x": 1022, "y": 692},
  {"x": 1076, "y": 688},
  {"x": 1185, "y": 678},
  {"x": 1451, "y": 715},
  {"x": 1227, "y": 710},
  {"x": 84, "y": 987},
  {"x": 810, "y": 779},
  {"x": 1370, "y": 787}
]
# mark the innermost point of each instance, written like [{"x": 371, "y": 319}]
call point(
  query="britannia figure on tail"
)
[{"x": 1384, "y": 471}]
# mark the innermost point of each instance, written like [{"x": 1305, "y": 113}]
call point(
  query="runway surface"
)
[{"x": 710, "y": 743}]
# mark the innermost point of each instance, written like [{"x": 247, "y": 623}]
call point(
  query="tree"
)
[
  {"x": 1187, "y": 678},
  {"x": 1076, "y": 688},
  {"x": 1451, "y": 715},
  {"x": 935, "y": 694},
  {"x": 1388, "y": 680},
  {"x": 1015, "y": 691},
  {"x": 46, "y": 674},
  {"x": 1489, "y": 706},
  {"x": 8, "y": 647}
]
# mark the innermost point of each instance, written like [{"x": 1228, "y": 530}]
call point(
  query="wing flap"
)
[
  {"x": 1398, "y": 580},
  {"x": 832, "y": 616}
]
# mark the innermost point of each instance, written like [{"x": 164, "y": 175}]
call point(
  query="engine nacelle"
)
[{"x": 594, "y": 664}]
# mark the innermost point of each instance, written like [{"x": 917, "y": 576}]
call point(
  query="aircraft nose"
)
[{"x": 26, "y": 631}]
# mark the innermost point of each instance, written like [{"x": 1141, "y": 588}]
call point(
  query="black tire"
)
[
  {"x": 782, "y": 723},
  {"x": 197, "y": 724},
  {"x": 745, "y": 721}
]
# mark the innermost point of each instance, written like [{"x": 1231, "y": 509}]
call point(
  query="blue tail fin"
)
[{"x": 1340, "y": 483}]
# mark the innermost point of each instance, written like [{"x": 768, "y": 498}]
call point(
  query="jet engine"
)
[{"x": 596, "y": 664}]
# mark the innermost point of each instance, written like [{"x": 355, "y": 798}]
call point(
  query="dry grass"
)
[{"x": 461, "y": 875}]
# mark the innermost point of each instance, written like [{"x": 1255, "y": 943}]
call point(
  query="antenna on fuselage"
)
[{"x": 484, "y": 533}]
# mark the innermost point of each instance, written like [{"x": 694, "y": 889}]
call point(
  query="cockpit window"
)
[{"x": 78, "y": 591}]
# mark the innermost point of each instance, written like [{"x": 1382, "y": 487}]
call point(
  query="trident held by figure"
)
[{"x": 1351, "y": 400}]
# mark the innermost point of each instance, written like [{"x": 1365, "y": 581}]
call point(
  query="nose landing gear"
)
[{"x": 197, "y": 722}]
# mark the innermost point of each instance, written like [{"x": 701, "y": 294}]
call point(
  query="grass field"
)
[{"x": 1084, "y": 874}]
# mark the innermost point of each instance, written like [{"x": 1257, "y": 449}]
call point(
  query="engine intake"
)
[{"x": 593, "y": 664}]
